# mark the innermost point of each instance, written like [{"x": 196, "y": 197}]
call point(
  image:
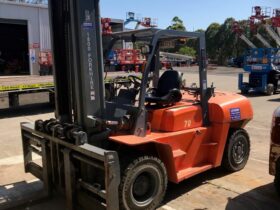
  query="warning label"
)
[{"x": 235, "y": 114}]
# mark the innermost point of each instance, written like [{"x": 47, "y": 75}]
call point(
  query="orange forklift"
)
[{"x": 121, "y": 153}]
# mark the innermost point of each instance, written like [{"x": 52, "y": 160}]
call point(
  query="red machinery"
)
[
  {"x": 259, "y": 17},
  {"x": 240, "y": 32},
  {"x": 140, "y": 60},
  {"x": 259, "y": 14},
  {"x": 45, "y": 62},
  {"x": 276, "y": 18},
  {"x": 129, "y": 59},
  {"x": 148, "y": 23},
  {"x": 106, "y": 27}
]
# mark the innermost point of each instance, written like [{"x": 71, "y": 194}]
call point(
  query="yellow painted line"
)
[
  {"x": 41, "y": 85},
  {"x": 25, "y": 86}
]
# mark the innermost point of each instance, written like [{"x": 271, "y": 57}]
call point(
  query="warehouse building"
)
[{"x": 24, "y": 32}]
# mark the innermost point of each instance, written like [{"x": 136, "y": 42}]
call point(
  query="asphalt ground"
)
[{"x": 252, "y": 188}]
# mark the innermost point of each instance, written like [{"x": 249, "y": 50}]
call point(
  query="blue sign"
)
[
  {"x": 235, "y": 114},
  {"x": 88, "y": 25}
]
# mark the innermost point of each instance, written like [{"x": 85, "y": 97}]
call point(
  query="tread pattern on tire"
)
[
  {"x": 129, "y": 165},
  {"x": 232, "y": 134},
  {"x": 270, "y": 89}
]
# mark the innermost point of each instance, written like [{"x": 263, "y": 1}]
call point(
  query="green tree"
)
[
  {"x": 211, "y": 40},
  {"x": 193, "y": 43},
  {"x": 225, "y": 41},
  {"x": 222, "y": 43},
  {"x": 187, "y": 51},
  {"x": 177, "y": 24}
]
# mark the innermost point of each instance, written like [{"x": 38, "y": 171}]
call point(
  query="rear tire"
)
[
  {"x": 270, "y": 89},
  {"x": 143, "y": 184},
  {"x": 245, "y": 90},
  {"x": 237, "y": 150}
]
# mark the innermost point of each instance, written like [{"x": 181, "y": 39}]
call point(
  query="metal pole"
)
[
  {"x": 203, "y": 79},
  {"x": 87, "y": 62},
  {"x": 59, "y": 38}
]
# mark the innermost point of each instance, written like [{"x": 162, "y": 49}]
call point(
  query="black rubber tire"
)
[
  {"x": 235, "y": 137},
  {"x": 270, "y": 89},
  {"x": 137, "y": 168},
  {"x": 245, "y": 90},
  {"x": 277, "y": 178}
]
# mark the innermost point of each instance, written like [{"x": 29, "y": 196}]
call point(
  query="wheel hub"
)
[
  {"x": 144, "y": 187},
  {"x": 141, "y": 185},
  {"x": 239, "y": 151}
]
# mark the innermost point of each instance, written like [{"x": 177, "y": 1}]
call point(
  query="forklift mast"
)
[{"x": 78, "y": 61}]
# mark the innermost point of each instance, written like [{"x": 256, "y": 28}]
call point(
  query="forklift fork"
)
[{"x": 61, "y": 167}]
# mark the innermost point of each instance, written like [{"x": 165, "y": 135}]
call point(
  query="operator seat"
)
[{"x": 168, "y": 90}]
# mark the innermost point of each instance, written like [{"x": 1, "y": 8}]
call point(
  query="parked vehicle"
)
[
  {"x": 263, "y": 66},
  {"x": 230, "y": 62},
  {"x": 274, "y": 157}
]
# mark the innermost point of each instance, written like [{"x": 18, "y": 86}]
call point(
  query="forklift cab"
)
[{"x": 165, "y": 90}]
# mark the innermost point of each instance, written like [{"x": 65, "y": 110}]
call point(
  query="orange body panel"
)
[
  {"x": 222, "y": 103},
  {"x": 182, "y": 143},
  {"x": 176, "y": 118}
]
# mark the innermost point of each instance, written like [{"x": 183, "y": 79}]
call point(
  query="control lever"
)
[{"x": 210, "y": 92}]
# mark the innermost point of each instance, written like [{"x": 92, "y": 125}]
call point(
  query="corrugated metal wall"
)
[
  {"x": 45, "y": 40},
  {"x": 38, "y": 27}
]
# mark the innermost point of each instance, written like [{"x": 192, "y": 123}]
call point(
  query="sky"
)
[{"x": 196, "y": 14}]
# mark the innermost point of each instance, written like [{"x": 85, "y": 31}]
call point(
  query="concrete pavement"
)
[{"x": 250, "y": 188}]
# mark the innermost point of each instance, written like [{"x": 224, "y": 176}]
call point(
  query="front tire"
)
[
  {"x": 237, "y": 150},
  {"x": 143, "y": 184}
]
